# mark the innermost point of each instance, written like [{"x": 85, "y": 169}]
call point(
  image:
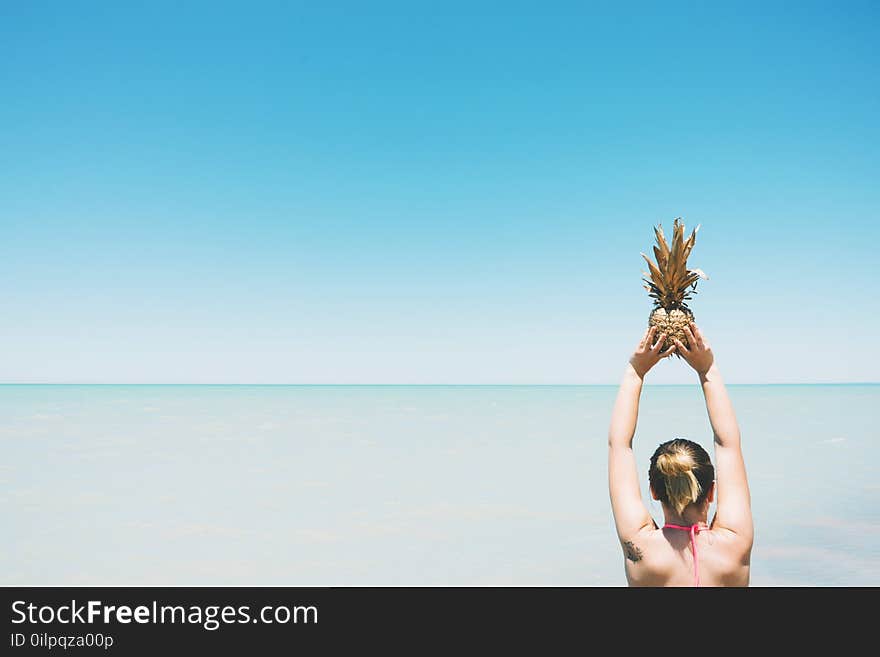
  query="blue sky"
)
[{"x": 432, "y": 192}]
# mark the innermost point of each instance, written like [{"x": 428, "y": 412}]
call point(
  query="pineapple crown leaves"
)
[{"x": 669, "y": 282}]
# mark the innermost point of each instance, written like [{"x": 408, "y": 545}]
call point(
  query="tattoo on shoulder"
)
[{"x": 632, "y": 551}]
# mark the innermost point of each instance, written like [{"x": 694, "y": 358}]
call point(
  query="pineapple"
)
[{"x": 670, "y": 283}]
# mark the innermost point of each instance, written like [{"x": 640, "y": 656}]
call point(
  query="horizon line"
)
[{"x": 426, "y": 385}]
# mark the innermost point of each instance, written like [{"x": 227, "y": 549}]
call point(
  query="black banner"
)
[{"x": 401, "y": 620}]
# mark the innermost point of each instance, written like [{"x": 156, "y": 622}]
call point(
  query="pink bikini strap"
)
[{"x": 694, "y": 530}]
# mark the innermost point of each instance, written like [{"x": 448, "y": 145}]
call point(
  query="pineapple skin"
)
[{"x": 671, "y": 323}]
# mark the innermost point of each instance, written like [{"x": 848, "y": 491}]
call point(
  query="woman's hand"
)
[
  {"x": 649, "y": 353},
  {"x": 698, "y": 353}
]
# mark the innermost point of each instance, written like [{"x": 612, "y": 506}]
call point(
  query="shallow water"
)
[{"x": 404, "y": 485}]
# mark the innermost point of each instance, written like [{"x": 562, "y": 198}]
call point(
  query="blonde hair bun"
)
[{"x": 682, "y": 487}]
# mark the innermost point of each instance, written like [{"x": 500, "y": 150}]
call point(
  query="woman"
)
[{"x": 687, "y": 550}]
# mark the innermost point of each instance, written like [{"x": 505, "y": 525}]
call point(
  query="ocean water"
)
[{"x": 404, "y": 485}]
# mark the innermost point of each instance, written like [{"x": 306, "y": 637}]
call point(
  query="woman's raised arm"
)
[
  {"x": 630, "y": 513},
  {"x": 733, "y": 510}
]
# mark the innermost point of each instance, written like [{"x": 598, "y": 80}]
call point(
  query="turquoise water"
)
[{"x": 404, "y": 485}]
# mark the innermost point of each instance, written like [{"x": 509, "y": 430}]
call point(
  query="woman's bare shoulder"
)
[{"x": 733, "y": 542}]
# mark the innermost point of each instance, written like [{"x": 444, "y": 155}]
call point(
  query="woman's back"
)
[{"x": 666, "y": 558}]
